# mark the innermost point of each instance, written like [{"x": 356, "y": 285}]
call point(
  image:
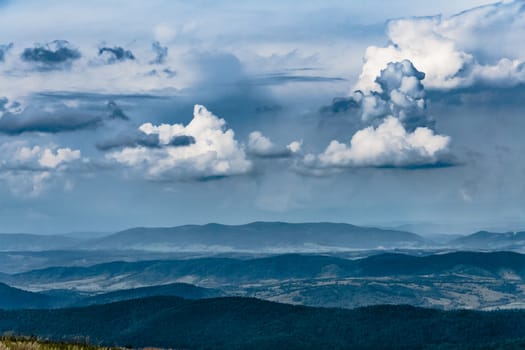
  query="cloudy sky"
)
[{"x": 116, "y": 114}]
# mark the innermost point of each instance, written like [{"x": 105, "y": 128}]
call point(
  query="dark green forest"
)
[{"x": 245, "y": 323}]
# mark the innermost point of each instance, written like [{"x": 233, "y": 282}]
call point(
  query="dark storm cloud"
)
[
  {"x": 51, "y": 55},
  {"x": 140, "y": 139},
  {"x": 134, "y": 139},
  {"x": 4, "y": 49},
  {"x": 115, "y": 54},
  {"x": 160, "y": 51},
  {"x": 182, "y": 140},
  {"x": 448, "y": 162},
  {"x": 62, "y": 120},
  {"x": 47, "y": 123},
  {"x": 274, "y": 153}
]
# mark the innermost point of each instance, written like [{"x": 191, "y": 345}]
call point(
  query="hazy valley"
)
[{"x": 296, "y": 264}]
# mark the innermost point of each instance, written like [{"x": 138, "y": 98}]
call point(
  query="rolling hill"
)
[
  {"x": 14, "y": 298},
  {"x": 277, "y": 267},
  {"x": 181, "y": 290},
  {"x": 233, "y": 274},
  {"x": 473, "y": 280}
]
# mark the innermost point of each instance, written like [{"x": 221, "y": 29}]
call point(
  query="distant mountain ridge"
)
[
  {"x": 258, "y": 236},
  {"x": 491, "y": 240}
]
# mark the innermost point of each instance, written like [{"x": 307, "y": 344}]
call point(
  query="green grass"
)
[{"x": 9, "y": 342}]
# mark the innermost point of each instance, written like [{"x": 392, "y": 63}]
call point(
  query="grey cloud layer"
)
[{"x": 53, "y": 123}]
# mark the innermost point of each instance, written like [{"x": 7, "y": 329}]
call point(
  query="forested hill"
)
[{"x": 244, "y": 323}]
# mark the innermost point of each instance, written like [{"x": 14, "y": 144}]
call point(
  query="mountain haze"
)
[{"x": 34, "y": 242}]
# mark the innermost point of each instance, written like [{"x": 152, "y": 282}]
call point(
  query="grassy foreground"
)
[{"x": 32, "y": 343}]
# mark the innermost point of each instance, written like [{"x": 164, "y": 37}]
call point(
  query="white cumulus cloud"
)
[
  {"x": 387, "y": 145},
  {"x": 214, "y": 151},
  {"x": 50, "y": 159},
  {"x": 261, "y": 146},
  {"x": 475, "y": 46},
  {"x": 27, "y": 169},
  {"x": 37, "y": 157}
]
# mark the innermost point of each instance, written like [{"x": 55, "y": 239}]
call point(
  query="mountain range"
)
[
  {"x": 258, "y": 238},
  {"x": 276, "y": 237}
]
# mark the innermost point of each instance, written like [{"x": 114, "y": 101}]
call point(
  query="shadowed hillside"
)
[
  {"x": 14, "y": 298},
  {"x": 242, "y": 323}
]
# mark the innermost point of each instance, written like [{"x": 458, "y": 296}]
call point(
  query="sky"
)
[{"x": 115, "y": 114}]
